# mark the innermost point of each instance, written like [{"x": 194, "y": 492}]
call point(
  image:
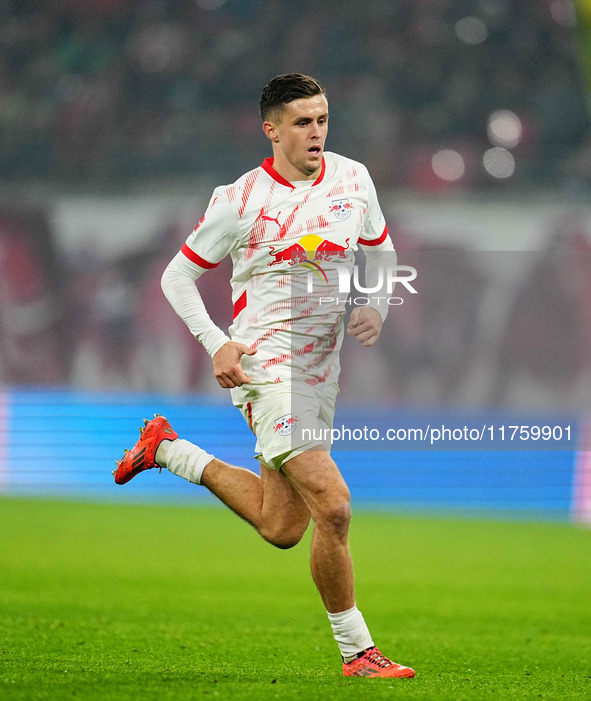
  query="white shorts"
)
[{"x": 287, "y": 419}]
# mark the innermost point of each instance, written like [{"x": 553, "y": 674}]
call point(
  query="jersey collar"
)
[{"x": 267, "y": 166}]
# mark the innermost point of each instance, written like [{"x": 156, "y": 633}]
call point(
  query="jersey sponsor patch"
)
[
  {"x": 341, "y": 208},
  {"x": 285, "y": 425},
  {"x": 308, "y": 249}
]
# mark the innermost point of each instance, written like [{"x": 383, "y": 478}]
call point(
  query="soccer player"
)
[{"x": 291, "y": 227}]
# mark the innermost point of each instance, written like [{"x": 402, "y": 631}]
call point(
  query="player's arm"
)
[
  {"x": 365, "y": 323},
  {"x": 203, "y": 251}
]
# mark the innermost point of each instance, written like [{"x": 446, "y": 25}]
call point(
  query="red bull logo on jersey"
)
[
  {"x": 292, "y": 255},
  {"x": 310, "y": 249},
  {"x": 285, "y": 425},
  {"x": 342, "y": 209},
  {"x": 328, "y": 250}
]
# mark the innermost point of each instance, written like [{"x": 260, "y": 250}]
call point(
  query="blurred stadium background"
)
[{"x": 118, "y": 117}]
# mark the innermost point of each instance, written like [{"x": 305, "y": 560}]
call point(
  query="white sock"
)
[
  {"x": 183, "y": 458},
  {"x": 350, "y": 632}
]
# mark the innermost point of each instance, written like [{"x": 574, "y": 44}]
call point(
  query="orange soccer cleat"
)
[
  {"x": 373, "y": 664},
  {"x": 142, "y": 456}
]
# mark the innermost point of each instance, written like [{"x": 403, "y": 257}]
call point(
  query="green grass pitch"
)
[{"x": 103, "y": 601}]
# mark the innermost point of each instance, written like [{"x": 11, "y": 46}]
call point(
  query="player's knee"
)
[
  {"x": 336, "y": 517},
  {"x": 284, "y": 540},
  {"x": 285, "y": 536},
  {"x": 287, "y": 542}
]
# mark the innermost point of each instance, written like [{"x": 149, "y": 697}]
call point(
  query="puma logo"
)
[{"x": 276, "y": 219}]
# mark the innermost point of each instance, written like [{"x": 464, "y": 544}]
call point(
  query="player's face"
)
[{"x": 298, "y": 137}]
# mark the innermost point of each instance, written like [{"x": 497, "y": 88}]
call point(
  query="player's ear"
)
[{"x": 270, "y": 131}]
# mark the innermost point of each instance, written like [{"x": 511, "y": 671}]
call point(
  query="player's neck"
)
[{"x": 290, "y": 173}]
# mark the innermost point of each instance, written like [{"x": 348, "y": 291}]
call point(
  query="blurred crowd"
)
[
  {"x": 433, "y": 95},
  {"x": 100, "y": 94},
  {"x": 486, "y": 328}
]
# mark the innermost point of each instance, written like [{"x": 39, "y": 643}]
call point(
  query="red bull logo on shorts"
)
[{"x": 285, "y": 425}]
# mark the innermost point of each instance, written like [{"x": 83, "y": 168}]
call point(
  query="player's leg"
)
[
  {"x": 317, "y": 478},
  {"x": 321, "y": 485},
  {"x": 270, "y": 502}
]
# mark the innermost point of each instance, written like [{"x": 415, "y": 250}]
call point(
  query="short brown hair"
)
[{"x": 286, "y": 88}]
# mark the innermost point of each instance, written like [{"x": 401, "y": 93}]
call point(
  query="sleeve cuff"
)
[{"x": 214, "y": 340}]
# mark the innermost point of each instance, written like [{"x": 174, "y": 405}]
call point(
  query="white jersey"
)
[{"x": 287, "y": 242}]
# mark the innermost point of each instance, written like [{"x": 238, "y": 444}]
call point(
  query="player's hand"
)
[
  {"x": 226, "y": 365},
  {"x": 365, "y": 324}
]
